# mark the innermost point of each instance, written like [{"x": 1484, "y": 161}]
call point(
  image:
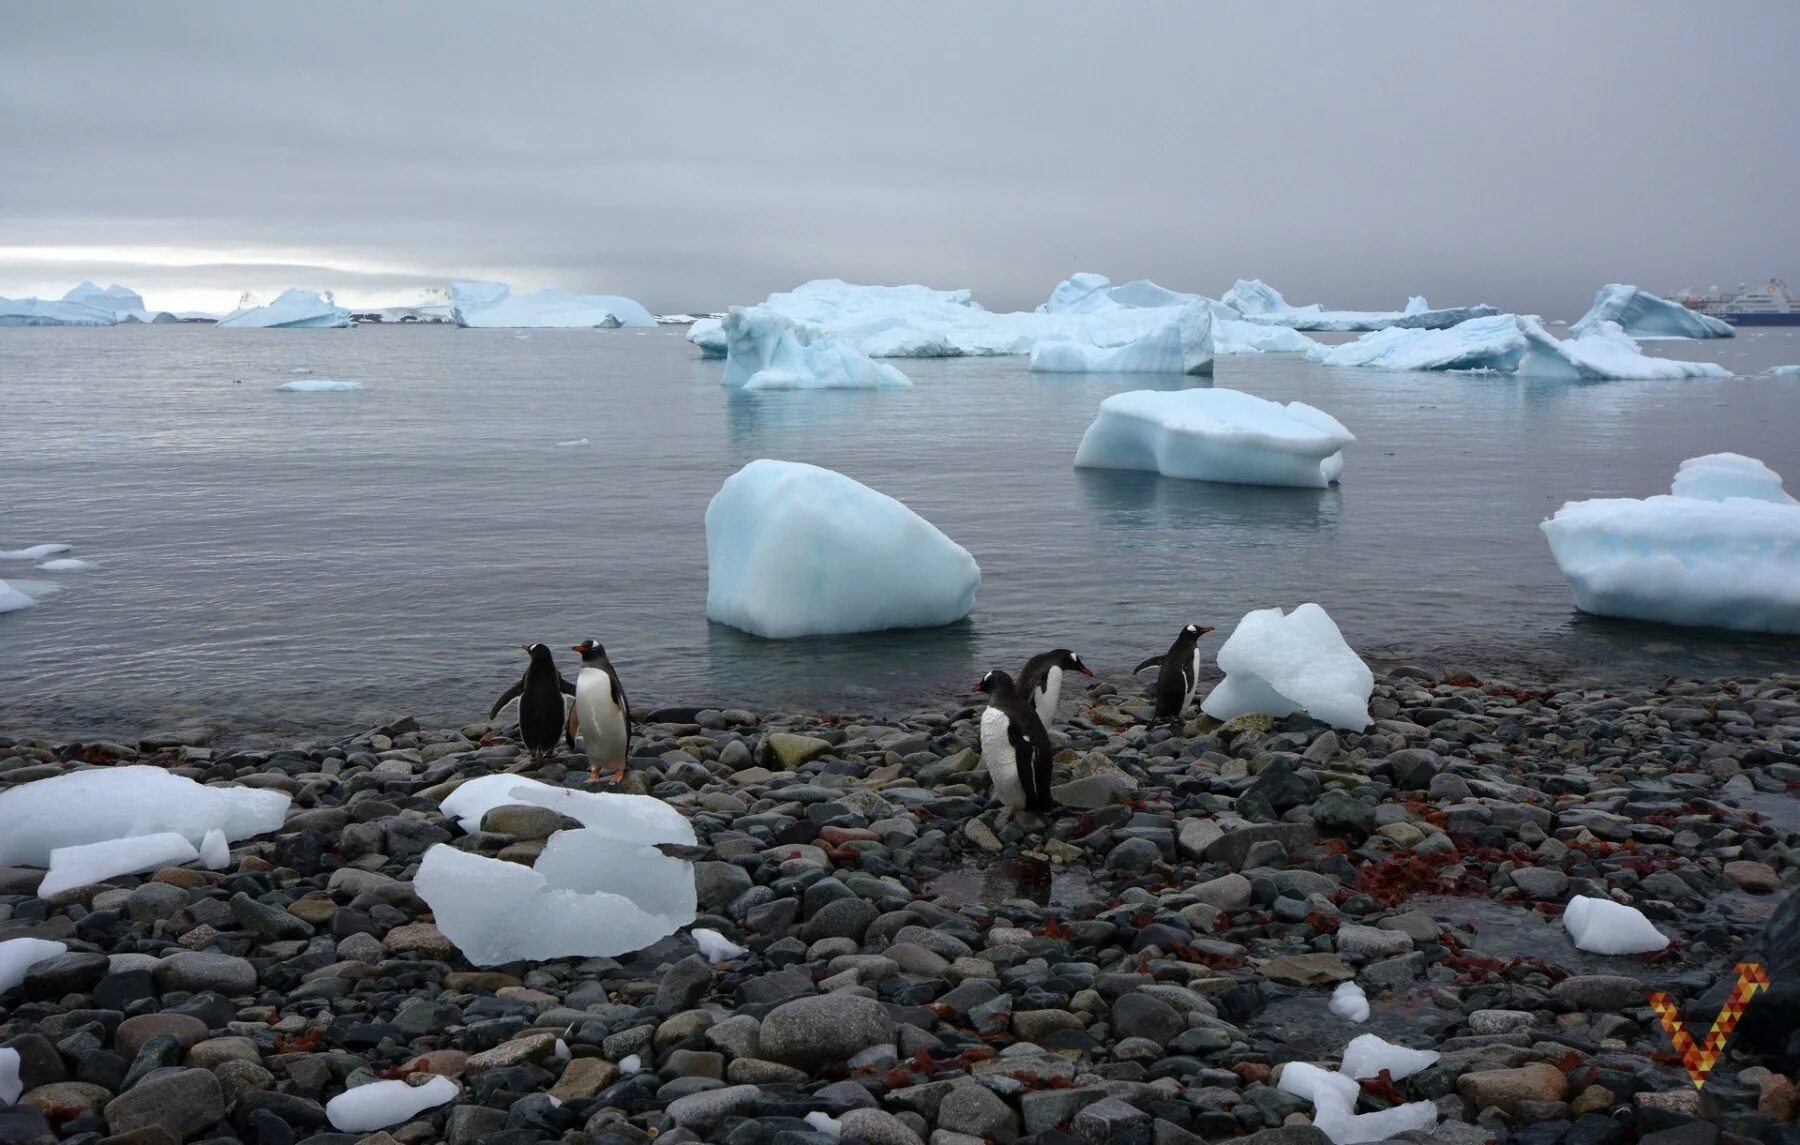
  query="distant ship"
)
[{"x": 1770, "y": 306}]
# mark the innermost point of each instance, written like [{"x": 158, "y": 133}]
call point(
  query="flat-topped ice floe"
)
[
  {"x": 292, "y": 310},
  {"x": 1278, "y": 664},
  {"x": 796, "y": 550},
  {"x": 1641, "y": 314},
  {"x": 767, "y": 351},
  {"x": 1216, "y": 435},
  {"x": 493, "y": 305},
  {"x": 1258, "y": 302},
  {"x": 1722, "y": 550},
  {"x": 102, "y": 804},
  {"x": 599, "y": 891},
  {"x": 1512, "y": 344},
  {"x": 319, "y": 386},
  {"x": 90, "y": 863},
  {"x": 1183, "y": 344}
]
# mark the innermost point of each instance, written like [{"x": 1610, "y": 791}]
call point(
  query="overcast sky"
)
[{"x": 696, "y": 156}]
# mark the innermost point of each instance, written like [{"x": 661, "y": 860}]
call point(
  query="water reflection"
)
[
  {"x": 1131, "y": 501},
  {"x": 867, "y": 670}
]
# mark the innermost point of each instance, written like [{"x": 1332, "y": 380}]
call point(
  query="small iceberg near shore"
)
[
  {"x": 1640, "y": 314},
  {"x": 766, "y": 351},
  {"x": 1181, "y": 345},
  {"x": 1216, "y": 435},
  {"x": 796, "y": 550},
  {"x": 293, "y": 309},
  {"x": 1276, "y": 664},
  {"x": 1512, "y": 344},
  {"x": 1720, "y": 550},
  {"x": 493, "y": 306},
  {"x": 319, "y": 386}
]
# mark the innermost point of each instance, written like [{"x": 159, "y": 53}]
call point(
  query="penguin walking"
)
[
  {"x": 1040, "y": 681},
  {"x": 540, "y": 694},
  {"x": 1179, "y": 676},
  {"x": 600, "y": 713},
  {"x": 1014, "y": 747}
]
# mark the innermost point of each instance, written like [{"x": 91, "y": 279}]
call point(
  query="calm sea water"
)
[{"x": 286, "y": 562}]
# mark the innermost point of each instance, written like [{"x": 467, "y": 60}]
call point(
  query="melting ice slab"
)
[
  {"x": 103, "y": 804},
  {"x": 1278, "y": 664},
  {"x": 1602, "y": 926},
  {"x": 1181, "y": 345},
  {"x": 18, "y": 955},
  {"x": 766, "y": 351},
  {"x": 90, "y": 863},
  {"x": 380, "y": 1104},
  {"x": 1641, "y": 314},
  {"x": 1334, "y": 1097},
  {"x": 291, "y": 310},
  {"x": 796, "y": 550},
  {"x": 1722, "y": 550},
  {"x": 1216, "y": 435},
  {"x": 493, "y": 305},
  {"x": 599, "y": 891},
  {"x": 1367, "y": 1055},
  {"x": 1512, "y": 344}
]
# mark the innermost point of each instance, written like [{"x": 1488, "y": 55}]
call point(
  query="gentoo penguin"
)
[
  {"x": 1180, "y": 674},
  {"x": 540, "y": 694},
  {"x": 1040, "y": 681},
  {"x": 601, "y": 713},
  {"x": 1015, "y": 747}
]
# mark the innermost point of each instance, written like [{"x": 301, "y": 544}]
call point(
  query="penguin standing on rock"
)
[
  {"x": 1014, "y": 747},
  {"x": 540, "y": 694},
  {"x": 601, "y": 713},
  {"x": 1040, "y": 681},
  {"x": 1180, "y": 674}
]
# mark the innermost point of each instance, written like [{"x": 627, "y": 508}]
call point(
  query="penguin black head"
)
[
  {"x": 1196, "y": 630},
  {"x": 994, "y": 681},
  {"x": 537, "y": 652},
  {"x": 1069, "y": 662},
  {"x": 590, "y": 649}
]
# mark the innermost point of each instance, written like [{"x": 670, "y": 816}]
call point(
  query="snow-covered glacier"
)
[
  {"x": 1641, "y": 314},
  {"x": 293, "y": 309},
  {"x": 796, "y": 550},
  {"x": 1216, "y": 435},
  {"x": 1721, "y": 550},
  {"x": 767, "y": 351},
  {"x": 1257, "y": 301},
  {"x": 1182, "y": 344},
  {"x": 493, "y": 306},
  {"x": 123, "y": 303},
  {"x": 1512, "y": 344}
]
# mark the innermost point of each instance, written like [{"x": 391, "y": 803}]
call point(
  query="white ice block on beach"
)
[
  {"x": 1276, "y": 664},
  {"x": 1602, "y": 926},
  {"x": 99, "y": 804}
]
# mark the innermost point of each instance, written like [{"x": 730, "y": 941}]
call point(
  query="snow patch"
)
[
  {"x": 1602, "y": 926},
  {"x": 1216, "y": 435},
  {"x": 1276, "y": 664},
  {"x": 101, "y": 804}
]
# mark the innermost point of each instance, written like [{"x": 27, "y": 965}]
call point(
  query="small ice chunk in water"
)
[
  {"x": 1277, "y": 664},
  {"x": 105, "y": 803},
  {"x": 1602, "y": 926},
  {"x": 17, "y": 955},
  {"x": 380, "y": 1104},
  {"x": 1367, "y": 1055},
  {"x": 824, "y": 1123},
  {"x": 1334, "y": 1106},
  {"x": 573, "y": 444},
  {"x": 1216, "y": 435},
  {"x": 90, "y": 863},
  {"x": 319, "y": 386},
  {"x": 215, "y": 852},
  {"x": 10, "y": 1084},
  {"x": 716, "y": 946},
  {"x": 34, "y": 553},
  {"x": 67, "y": 564},
  {"x": 11, "y": 599},
  {"x": 1349, "y": 1002}
]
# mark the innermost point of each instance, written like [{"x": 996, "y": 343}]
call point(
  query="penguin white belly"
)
[
  {"x": 602, "y": 722},
  {"x": 1002, "y": 762},
  {"x": 1193, "y": 679},
  {"x": 1047, "y": 694}
]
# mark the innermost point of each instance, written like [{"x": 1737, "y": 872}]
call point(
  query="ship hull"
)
[{"x": 1763, "y": 319}]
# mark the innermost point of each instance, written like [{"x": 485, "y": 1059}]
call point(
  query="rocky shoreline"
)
[{"x": 1136, "y": 969}]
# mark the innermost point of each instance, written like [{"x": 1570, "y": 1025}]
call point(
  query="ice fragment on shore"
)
[
  {"x": 1276, "y": 664},
  {"x": 10, "y": 1084},
  {"x": 98, "y": 804},
  {"x": 630, "y": 1064},
  {"x": 634, "y": 818},
  {"x": 824, "y": 1123},
  {"x": 89, "y": 863},
  {"x": 1367, "y": 1055},
  {"x": 1334, "y": 1098},
  {"x": 17, "y": 955},
  {"x": 1349, "y": 1002},
  {"x": 215, "y": 851},
  {"x": 716, "y": 947},
  {"x": 380, "y": 1104},
  {"x": 1601, "y": 926}
]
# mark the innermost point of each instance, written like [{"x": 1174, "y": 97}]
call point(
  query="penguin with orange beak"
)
[
  {"x": 1179, "y": 677},
  {"x": 1040, "y": 681},
  {"x": 1015, "y": 748},
  {"x": 601, "y": 713}
]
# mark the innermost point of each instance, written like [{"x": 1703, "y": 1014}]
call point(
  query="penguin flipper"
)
[
  {"x": 568, "y": 688},
  {"x": 1150, "y": 663},
  {"x": 507, "y": 697},
  {"x": 571, "y": 726}
]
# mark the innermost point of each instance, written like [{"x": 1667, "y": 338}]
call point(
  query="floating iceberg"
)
[
  {"x": 599, "y": 891},
  {"x": 43, "y": 312},
  {"x": 1511, "y": 344},
  {"x": 1261, "y": 303},
  {"x": 319, "y": 386},
  {"x": 18, "y": 955},
  {"x": 1334, "y": 1097},
  {"x": 1602, "y": 926},
  {"x": 1367, "y": 1055},
  {"x": 11, "y": 599},
  {"x": 1278, "y": 664},
  {"x": 1216, "y": 435},
  {"x": 493, "y": 305},
  {"x": 291, "y": 310},
  {"x": 1182, "y": 345},
  {"x": 1113, "y": 314},
  {"x": 34, "y": 553},
  {"x": 766, "y": 351},
  {"x": 379, "y": 1104},
  {"x": 125, "y": 305},
  {"x": 796, "y": 550},
  {"x": 1784, "y": 371},
  {"x": 709, "y": 335},
  {"x": 1640, "y": 314},
  {"x": 67, "y": 564},
  {"x": 1721, "y": 551},
  {"x": 90, "y": 863},
  {"x": 101, "y": 804},
  {"x": 1350, "y": 1003}
]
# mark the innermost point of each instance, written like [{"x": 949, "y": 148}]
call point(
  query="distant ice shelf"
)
[{"x": 493, "y": 305}]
